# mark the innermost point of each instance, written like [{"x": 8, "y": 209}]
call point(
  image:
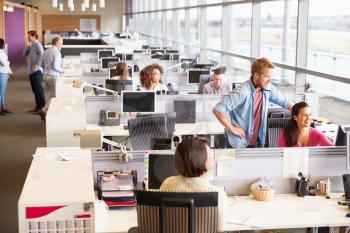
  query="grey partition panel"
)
[
  {"x": 96, "y": 103},
  {"x": 250, "y": 164}
]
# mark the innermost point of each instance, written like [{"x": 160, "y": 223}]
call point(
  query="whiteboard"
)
[{"x": 87, "y": 25}]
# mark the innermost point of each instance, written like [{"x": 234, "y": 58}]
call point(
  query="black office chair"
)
[
  {"x": 274, "y": 128},
  {"x": 204, "y": 79},
  {"x": 174, "y": 212},
  {"x": 144, "y": 129}
]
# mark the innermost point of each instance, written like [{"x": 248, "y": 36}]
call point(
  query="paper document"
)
[{"x": 295, "y": 160}]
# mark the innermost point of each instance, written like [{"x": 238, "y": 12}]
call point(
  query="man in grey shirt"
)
[
  {"x": 53, "y": 68},
  {"x": 34, "y": 55},
  {"x": 217, "y": 86}
]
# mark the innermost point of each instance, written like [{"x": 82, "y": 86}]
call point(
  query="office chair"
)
[
  {"x": 174, "y": 212},
  {"x": 144, "y": 129},
  {"x": 274, "y": 128},
  {"x": 204, "y": 79}
]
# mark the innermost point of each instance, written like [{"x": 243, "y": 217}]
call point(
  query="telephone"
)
[{"x": 109, "y": 118}]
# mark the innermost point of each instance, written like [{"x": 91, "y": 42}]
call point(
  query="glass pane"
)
[
  {"x": 284, "y": 79},
  {"x": 278, "y": 30},
  {"x": 241, "y": 29},
  {"x": 193, "y": 2},
  {"x": 213, "y": 58},
  {"x": 169, "y": 24},
  {"x": 325, "y": 96},
  {"x": 194, "y": 26},
  {"x": 168, "y": 3},
  {"x": 159, "y": 4},
  {"x": 194, "y": 52},
  {"x": 329, "y": 36},
  {"x": 180, "y": 25},
  {"x": 213, "y": 1},
  {"x": 238, "y": 69},
  {"x": 180, "y": 3},
  {"x": 214, "y": 20}
]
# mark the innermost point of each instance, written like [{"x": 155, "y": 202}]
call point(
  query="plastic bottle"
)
[{"x": 328, "y": 189}]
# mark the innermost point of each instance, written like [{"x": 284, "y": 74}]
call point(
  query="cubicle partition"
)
[
  {"x": 164, "y": 104},
  {"x": 243, "y": 167}
]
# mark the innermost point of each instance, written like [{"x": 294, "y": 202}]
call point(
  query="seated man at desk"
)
[
  {"x": 217, "y": 85},
  {"x": 298, "y": 132},
  {"x": 151, "y": 78},
  {"x": 121, "y": 72},
  {"x": 248, "y": 107},
  {"x": 193, "y": 159}
]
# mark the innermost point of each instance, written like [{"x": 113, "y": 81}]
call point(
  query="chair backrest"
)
[
  {"x": 274, "y": 128},
  {"x": 174, "y": 212},
  {"x": 143, "y": 129},
  {"x": 204, "y": 79}
]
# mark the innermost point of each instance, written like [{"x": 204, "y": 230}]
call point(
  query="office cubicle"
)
[{"x": 247, "y": 166}]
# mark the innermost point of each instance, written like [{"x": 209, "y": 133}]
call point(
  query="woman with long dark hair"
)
[
  {"x": 121, "y": 72},
  {"x": 151, "y": 78},
  {"x": 298, "y": 132}
]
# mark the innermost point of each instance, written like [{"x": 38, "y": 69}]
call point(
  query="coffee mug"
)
[
  {"x": 322, "y": 186},
  {"x": 101, "y": 209}
]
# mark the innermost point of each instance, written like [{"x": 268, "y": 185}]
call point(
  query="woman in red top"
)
[{"x": 298, "y": 132}]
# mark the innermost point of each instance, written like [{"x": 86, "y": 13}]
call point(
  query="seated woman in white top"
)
[
  {"x": 193, "y": 159},
  {"x": 121, "y": 72},
  {"x": 151, "y": 78}
]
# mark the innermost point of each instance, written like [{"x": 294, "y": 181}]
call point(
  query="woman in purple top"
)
[{"x": 298, "y": 132}]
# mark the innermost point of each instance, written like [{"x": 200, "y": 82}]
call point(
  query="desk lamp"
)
[{"x": 81, "y": 83}]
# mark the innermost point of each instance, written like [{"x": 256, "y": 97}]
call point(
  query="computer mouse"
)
[{"x": 347, "y": 215}]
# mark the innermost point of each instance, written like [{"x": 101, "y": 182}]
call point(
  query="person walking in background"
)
[
  {"x": 5, "y": 72},
  {"x": 52, "y": 65},
  {"x": 34, "y": 55}
]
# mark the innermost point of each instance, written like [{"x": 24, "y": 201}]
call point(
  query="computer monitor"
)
[
  {"x": 175, "y": 57},
  {"x": 171, "y": 51},
  {"x": 165, "y": 57},
  {"x": 138, "y": 101},
  {"x": 112, "y": 70},
  {"x": 129, "y": 57},
  {"x": 106, "y": 60},
  {"x": 137, "y": 51},
  {"x": 188, "y": 63},
  {"x": 145, "y": 46},
  {"x": 120, "y": 56},
  {"x": 340, "y": 140},
  {"x": 154, "y": 51},
  {"x": 105, "y": 53},
  {"x": 195, "y": 74},
  {"x": 118, "y": 85},
  {"x": 160, "y": 167},
  {"x": 203, "y": 66}
]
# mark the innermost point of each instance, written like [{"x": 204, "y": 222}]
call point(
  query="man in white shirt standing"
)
[
  {"x": 217, "y": 86},
  {"x": 53, "y": 67}
]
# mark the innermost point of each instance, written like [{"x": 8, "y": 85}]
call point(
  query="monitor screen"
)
[
  {"x": 194, "y": 75},
  {"x": 120, "y": 56},
  {"x": 171, "y": 51},
  {"x": 107, "y": 62},
  {"x": 128, "y": 57},
  {"x": 187, "y": 63},
  {"x": 176, "y": 57},
  {"x": 113, "y": 70},
  {"x": 138, "y": 101},
  {"x": 118, "y": 85},
  {"x": 203, "y": 66},
  {"x": 160, "y": 167},
  {"x": 165, "y": 57},
  {"x": 105, "y": 53}
]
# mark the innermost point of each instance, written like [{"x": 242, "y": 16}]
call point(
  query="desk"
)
[
  {"x": 199, "y": 128},
  {"x": 281, "y": 212}
]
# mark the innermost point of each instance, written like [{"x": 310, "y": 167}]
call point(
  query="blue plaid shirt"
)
[{"x": 239, "y": 105}]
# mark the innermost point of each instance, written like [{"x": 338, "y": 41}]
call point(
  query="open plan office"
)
[{"x": 183, "y": 116}]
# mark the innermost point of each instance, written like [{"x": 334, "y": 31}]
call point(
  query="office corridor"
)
[{"x": 20, "y": 134}]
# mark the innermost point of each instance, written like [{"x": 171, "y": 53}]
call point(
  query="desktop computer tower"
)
[{"x": 185, "y": 111}]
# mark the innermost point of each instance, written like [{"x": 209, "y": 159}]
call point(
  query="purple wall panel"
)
[{"x": 14, "y": 34}]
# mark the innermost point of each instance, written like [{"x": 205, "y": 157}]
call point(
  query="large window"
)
[
  {"x": 214, "y": 18},
  {"x": 278, "y": 30},
  {"x": 180, "y": 25},
  {"x": 169, "y": 24},
  {"x": 194, "y": 26},
  {"x": 329, "y": 36},
  {"x": 240, "y": 33}
]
